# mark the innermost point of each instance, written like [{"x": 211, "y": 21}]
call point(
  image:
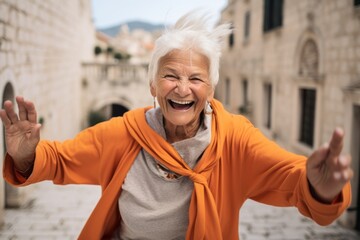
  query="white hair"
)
[{"x": 191, "y": 32}]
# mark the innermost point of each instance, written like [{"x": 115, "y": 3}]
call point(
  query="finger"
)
[
  {"x": 344, "y": 161},
  {"x": 9, "y": 108},
  {"x": 4, "y": 118},
  {"x": 318, "y": 157},
  {"x": 22, "y": 110},
  {"x": 344, "y": 175},
  {"x": 31, "y": 112},
  {"x": 348, "y": 174},
  {"x": 336, "y": 145}
]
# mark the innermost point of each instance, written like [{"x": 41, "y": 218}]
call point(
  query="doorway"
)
[
  {"x": 356, "y": 156},
  {"x": 118, "y": 110},
  {"x": 10, "y": 193}
]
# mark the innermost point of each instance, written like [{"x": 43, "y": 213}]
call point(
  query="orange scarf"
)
[{"x": 203, "y": 216}]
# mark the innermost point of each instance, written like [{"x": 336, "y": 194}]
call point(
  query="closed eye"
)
[
  {"x": 196, "y": 79},
  {"x": 170, "y": 76}
]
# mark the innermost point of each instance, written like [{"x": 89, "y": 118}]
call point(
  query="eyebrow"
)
[{"x": 173, "y": 70}]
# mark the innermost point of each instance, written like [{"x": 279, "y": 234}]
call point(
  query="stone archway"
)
[
  {"x": 106, "y": 109},
  {"x": 118, "y": 110},
  {"x": 112, "y": 109}
]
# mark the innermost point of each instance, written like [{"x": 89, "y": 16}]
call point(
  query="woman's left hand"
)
[{"x": 327, "y": 170}]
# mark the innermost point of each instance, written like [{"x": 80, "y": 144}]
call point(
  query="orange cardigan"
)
[{"x": 240, "y": 163}]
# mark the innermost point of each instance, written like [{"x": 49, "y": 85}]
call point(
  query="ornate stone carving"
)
[{"x": 309, "y": 60}]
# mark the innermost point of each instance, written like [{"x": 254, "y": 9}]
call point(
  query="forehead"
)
[{"x": 184, "y": 58}]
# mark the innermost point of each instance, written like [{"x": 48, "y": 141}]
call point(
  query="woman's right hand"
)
[{"x": 22, "y": 132}]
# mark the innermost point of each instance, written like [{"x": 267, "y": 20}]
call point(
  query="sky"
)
[{"x": 107, "y": 13}]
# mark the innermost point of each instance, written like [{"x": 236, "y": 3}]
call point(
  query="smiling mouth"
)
[{"x": 181, "y": 105}]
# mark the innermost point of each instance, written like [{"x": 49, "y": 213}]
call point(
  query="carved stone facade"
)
[
  {"x": 309, "y": 60},
  {"x": 293, "y": 68},
  {"x": 42, "y": 47}
]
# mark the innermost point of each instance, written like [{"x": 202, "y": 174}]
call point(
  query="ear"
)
[
  {"x": 211, "y": 95},
  {"x": 152, "y": 89}
]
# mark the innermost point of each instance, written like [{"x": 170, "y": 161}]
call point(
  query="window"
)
[
  {"x": 245, "y": 92},
  {"x": 267, "y": 104},
  {"x": 307, "y": 116},
  {"x": 244, "y": 107},
  {"x": 227, "y": 91},
  {"x": 273, "y": 14},
  {"x": 356, "y": 2},
  {"x": 231, "y": 38},
  {"x": 247, "y": 25}
]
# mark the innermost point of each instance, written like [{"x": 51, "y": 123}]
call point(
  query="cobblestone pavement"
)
[
  {"x": 56, "y": 212},
  {"x": 59, "y": 212},
  {"x": 262, "y": 222}
]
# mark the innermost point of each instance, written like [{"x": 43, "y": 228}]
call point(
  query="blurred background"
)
[{"x": 292, "y": 67}]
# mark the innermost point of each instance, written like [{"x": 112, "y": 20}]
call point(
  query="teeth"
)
[{"x": 181, "y": 102}]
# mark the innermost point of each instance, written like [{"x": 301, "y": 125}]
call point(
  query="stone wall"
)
[
  {"x": 42, "y": 47},
  {"x": 316, "y": 47}
]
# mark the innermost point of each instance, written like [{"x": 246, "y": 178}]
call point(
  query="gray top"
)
[{"x": 154, "y": 201}]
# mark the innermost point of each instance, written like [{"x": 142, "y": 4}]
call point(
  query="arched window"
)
[
  {"x": 227, "y": 91},
  {"x": 232, "y": 38},
  {"x": 8, "y": 94}
]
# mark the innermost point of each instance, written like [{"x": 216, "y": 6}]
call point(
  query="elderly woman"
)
[{"x": 185, "y": 168}]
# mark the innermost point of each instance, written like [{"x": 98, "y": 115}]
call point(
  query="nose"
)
[{"x": 183, "y": 87}]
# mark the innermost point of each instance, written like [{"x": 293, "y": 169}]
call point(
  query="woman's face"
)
[{"x": 182, "y": 87}]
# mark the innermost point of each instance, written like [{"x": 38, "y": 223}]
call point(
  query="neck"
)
[{"x": 176, "y": 133}]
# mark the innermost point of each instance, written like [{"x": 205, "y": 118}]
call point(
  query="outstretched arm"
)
[
  {"x": 327, "y": 170},
  {"x": 22, "y": 132}
]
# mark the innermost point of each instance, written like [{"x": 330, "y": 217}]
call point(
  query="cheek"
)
[
  {"x": 160, "y": 92},
  {"x": 204, "y": 93},
  {"x": 164, "y": 88}
]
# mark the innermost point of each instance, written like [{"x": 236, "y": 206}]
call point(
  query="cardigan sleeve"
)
[
  {"x": 75, "y": 161},
  {"x": 274, "y": 176}
]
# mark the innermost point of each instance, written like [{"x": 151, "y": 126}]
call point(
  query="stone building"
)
[
  {"x": 102, "y": 44},
  {"x": 111, "y": 85},
  {"x": 138, "y": 43},
  {"x": 293, "y": 68},
  {"x": 42, "y": 47}
]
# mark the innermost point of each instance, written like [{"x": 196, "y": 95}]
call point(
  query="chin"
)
[{"x": 180, "y": 120}]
